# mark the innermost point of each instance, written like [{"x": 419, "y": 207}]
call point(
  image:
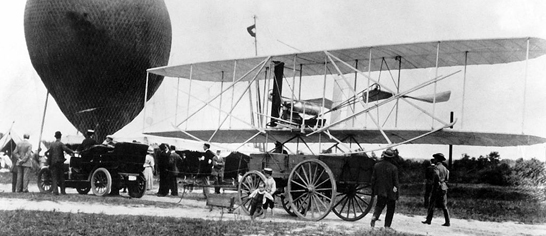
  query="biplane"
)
[
  {"x": 276, "y": 111},
  {"x": 283, "y": 108}
]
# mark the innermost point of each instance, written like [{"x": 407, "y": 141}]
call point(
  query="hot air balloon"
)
[{"x": 92, "y": 56}]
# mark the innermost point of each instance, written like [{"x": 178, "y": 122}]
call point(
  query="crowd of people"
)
[
  {"x": 385, "y": 182},
  {"x": 163, "y": 162}
]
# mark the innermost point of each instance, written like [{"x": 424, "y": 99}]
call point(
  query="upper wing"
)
[
  {"x": 413, "y": 56},
  {"x": 444, "y": 137}
]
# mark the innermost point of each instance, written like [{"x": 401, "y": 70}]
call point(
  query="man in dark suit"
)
[
  {"x": 174, "y": 161},
  {"x": 23, "y": 153},
  {"x": 429, "y": 179},
  {"x": 88, "y": 142},
  {"x": 385, "y": 186},
  {"x": 163, "y": 167},
  {"x": 439, "y": 190},
  {"x": 205, "y": 162},
  {"x": 55, "y": 160}
]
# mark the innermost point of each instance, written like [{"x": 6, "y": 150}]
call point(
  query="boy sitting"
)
[
  {"x": 258, "y": 197},
  {"x": 271, "y": 188}
]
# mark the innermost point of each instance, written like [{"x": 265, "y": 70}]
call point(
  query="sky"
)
[{"x": 216, "y": 30}]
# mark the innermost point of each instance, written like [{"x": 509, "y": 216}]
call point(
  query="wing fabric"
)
[
  {"x": 444, "y": 137},
  {"x": 413, "y": 56}
]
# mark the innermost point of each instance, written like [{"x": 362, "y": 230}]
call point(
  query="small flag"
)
[{"x": 251, "y": 29}]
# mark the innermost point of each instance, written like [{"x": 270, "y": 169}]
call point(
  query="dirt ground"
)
[{"x": 191, "y": 208}]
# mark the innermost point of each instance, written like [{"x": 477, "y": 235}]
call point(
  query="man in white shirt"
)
[{"x": 270, "y": 187}]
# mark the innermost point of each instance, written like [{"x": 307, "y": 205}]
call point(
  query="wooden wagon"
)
[
  {"x": 311, "y": 186},
  {"x": 197, "y": 174}
]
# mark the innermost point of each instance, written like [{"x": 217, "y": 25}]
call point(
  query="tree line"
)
[{"x": 488, "y": 169}]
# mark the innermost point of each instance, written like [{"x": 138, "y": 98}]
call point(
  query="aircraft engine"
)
[
  {"x": 92, "y": 56},
  {"x": 306, "y": 108}
]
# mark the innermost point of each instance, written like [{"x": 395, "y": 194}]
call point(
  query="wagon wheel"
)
[
  {"x": 353, "y": 201},
  {"x": 286, "y": 205},
  {"x": 248, "y": 184},
  {"x": 101, "y": 182},
  {"x": 83, "y": 190},
  {"x": 44, "y": 180},
  {"x": 187, "y": 185},
  {"x": 137, "y": 188},
  {"x": 311, "y": 189}
]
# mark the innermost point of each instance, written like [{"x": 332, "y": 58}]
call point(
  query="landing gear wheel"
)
[
  {"x": 44, "y": 181},
  {"x": 137, "y": 188},
  {"x": 311, "y": 190},
  {"x": 353, "y": 201},
  {"x": 101, "y": 182},
  {"x": 248, "y": 184}
]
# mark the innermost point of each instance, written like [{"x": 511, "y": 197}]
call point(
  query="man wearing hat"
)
[
  {"x": 163, "y": 167},
  {"x": 174, "y": 161},
  {"x": 205, "y": 161},
  {"x": 385, "y": 185},
  {"x": 439, "y": 190},
  {"x": 55, "y": 160},
  {"x": 88, "y": 142},
  {"x": 109, "y": 141}
]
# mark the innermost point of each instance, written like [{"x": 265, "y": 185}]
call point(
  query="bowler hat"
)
[
  {"x": 389, "y": 153},
  {"x": 439, "y": 157}
]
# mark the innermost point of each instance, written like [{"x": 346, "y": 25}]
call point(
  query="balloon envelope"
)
[{"x": 92, "y": 56}]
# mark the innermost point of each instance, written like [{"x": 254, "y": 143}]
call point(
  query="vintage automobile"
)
[{"x": 104, "y": 170}]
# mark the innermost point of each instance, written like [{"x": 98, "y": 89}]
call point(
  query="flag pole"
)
[
  {"x": 261, "y": 147},
  {"x": 42, "y": 126},
  {"x": 255, "y": 37}
]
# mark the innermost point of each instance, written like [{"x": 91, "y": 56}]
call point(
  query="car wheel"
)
[{"x": 101, "y": 182}]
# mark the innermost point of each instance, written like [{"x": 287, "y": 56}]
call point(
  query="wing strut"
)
[
  {"x": 385, "y": 101},
  {"x": 464, "y": 88},
  {"x": 189, "y": 92},
  {"x": 525, "y": 88},
  {"x": 354, "y": 94},
  {"x": 435, "y": 84},
  {"x": 223, "y": 91},
  {"x": 238, "y": 100}
]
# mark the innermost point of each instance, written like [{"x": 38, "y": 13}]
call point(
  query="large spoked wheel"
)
[
  {"x": 311, "y": 190},
  {"x": 138, "y": 187},
  {"x": 101, "y": 182},
  {"x": 44, "y": 180},
  {"x": 286, "y": 205},
  {"x": 248, "y": 184},
  {"x": 353, "y": 201}
]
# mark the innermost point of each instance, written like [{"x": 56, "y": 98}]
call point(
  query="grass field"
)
[
  {"x": 465, "y": 201},
  {"x": 21, "y": 222},
  {"x": 481, "y": 202}
]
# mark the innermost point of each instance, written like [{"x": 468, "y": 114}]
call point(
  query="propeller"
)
[{"x": 376, "y": 95}]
